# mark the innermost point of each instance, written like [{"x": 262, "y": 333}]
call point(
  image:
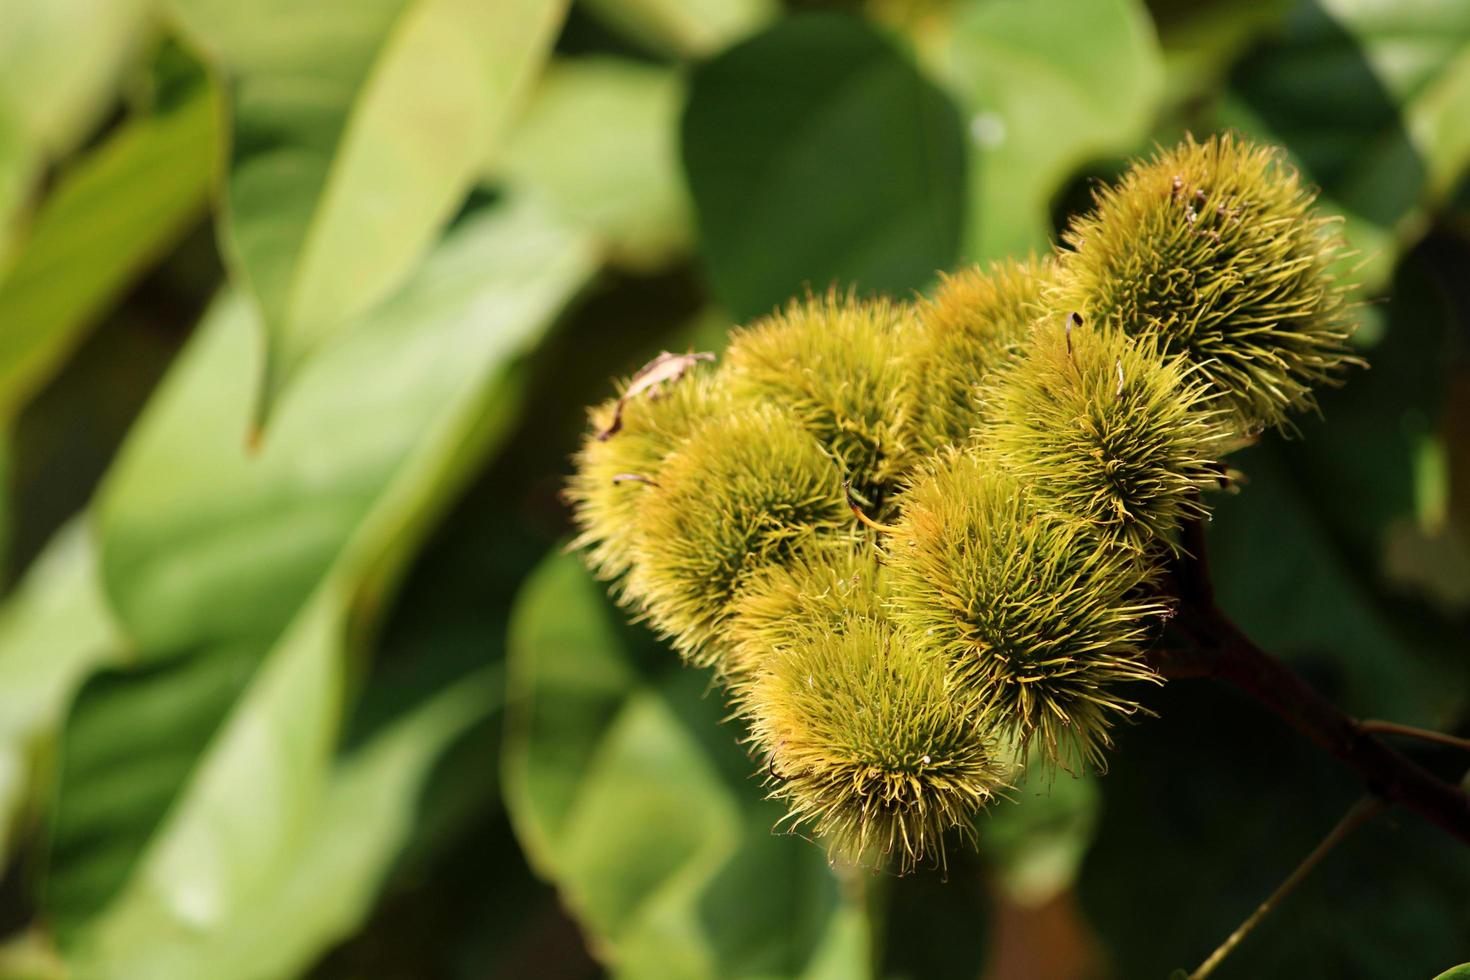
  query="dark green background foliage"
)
[{"x": 339, "y": 706}]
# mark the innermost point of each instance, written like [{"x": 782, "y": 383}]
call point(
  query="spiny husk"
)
[
  {"x": 1215, "y": 248},
  {"x": 873, "y": 744},
  {"x": 975, "y": 324},
  {"x": 826, "y": 589},
  {"x": 1033, "y": 610},
  {"x": 614, "y": 476},
  {"x": 744, "y": 491},
  {"x": 834, "y": 362},
  {"x": 1104, "y": 428}
]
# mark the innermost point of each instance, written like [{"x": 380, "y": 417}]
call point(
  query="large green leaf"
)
[
  {"x": 685, "y": 27},
  {"x": 358, "y": 126},
  {"x": 818, "y": 155},
  {"x": 274, "y": 852},
  {"x": 1210, "y": 805},
  {"x": 629, "y": 795},
  {"x": 1370, "y": 98},
  {"x": 59, "y": 62},
  {"x": 54, "y": 629},
  {"x": 107, "y": 220},
  {"x": 216, "y": 558},
  {"x": 1045, "y": 88},
  {"x": 599, "y": 144},
  {"x": 205, "y": 542}
]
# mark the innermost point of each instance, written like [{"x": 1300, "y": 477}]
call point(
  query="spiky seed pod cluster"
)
[
  {"x": 743, "y": 492},
  {"x": 874, "y": 743},
  {"x": 1101, "y": 427},
  {"x": 992, "y": 582},
  {"x": 1215, "y": 248},
  {"x": 975, "y": 324},
  {"x": 834, "y": 362},
  {"x": 1038, "y": 616}
]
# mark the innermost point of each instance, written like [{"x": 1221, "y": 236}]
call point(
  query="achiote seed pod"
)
[
  {"x": 974, "y": 325},
  {"x": 826, "y": 589},
  {"x": 1040, "y": 617},
  {"x": 833, "y": 361},
  {"x": 873, "y": 744},
  {"x": 744, "y": 491},
  {"x": 1104, "y": 428},
  {"x": 614, "y": 475},
  {"x": 1215, "y": 249}
]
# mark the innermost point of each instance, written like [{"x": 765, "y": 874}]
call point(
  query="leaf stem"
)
[
  {"x": 1409, "y": 731},
  {"x": 1360, "y": 812}
]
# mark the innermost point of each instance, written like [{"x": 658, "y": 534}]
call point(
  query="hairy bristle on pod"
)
[
  {"x": 745, "y": 491},
  {"x": 1215, "y": 248},
  {"x": 614, "y": 475},
  {"x": 1030, "y": 606},
  {"x": 974, "y": 325},
  {"x": 825, "y": 589},
  {"x": 873, "y": 744},
  {"x": 834, "y": 362},
  {"x": 1107, "y": 429}
]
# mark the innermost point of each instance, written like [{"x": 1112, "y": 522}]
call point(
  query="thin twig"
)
[
  {"x": 1361, "y": 812},
  {"x": 1409, "y": 731}
]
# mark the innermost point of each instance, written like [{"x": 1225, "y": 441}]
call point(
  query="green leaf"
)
[
  {"x": 358, "y": 127},
  {"x": 1208, "y": 806},
  {"x": 1461, "y": 972},
  {"x": 1036, "y": 841},
  {"x": 688, "y": 28},
  {"x": 618, "y": 175},
  {"x": 205, "y": 542},
  {"x": 629, "y": 795},
  {"x": 110, "y": 217},
  {"x": 54, "y": 629},
  {"x": 254, "y": 876},
  {"x": 59, "y": 63},
  {"x": 1045, "y": 88},
  {"x": 226, "y": 559},
  {"x": 1370, "y": 99},
  {"x": 818, "y": 155}
]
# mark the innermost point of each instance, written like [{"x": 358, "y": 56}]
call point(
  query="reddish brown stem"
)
[{"x": 1213, "y": 646}]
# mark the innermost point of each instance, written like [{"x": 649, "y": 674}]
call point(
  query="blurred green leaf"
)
[
  {"x": 1279, "y": 571},
  {"x": 689, "y": 28},
  {"x": 627, "y": 794},
  {"x": 359, "y": 125},
  {"x": 59, "y": 63},
  {"x": 1036, "y": 841},
  {"x": 818, "y": 155},
  {"x": 1045, "y": 88},
  {"x": 213, "y": 557},
  {"x": 1461, "y": 972},
  {"x": 205, "y": 542},
  {"x": 1209, "y": 805},
  {"x": 54, "y": 629},
  {"x": 599, "y": 144},
  {"x": 253, "y": 877},
  {"x": 106, "y": 222},
  {"x": 1370, "y": 99}
]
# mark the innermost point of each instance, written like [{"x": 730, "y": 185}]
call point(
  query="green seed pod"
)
[
  {"x": 1216, "y": 249},
  {"x": 834, "y": 362},
  {"x": 743, "y": 492},
  {"x": 825, "y": 590},
  {"x": 1029, "y": 606},
  {"x": 614, "y": 475},
  {"x": 1104, "y": 428},
  {"x": 873, "y": 744},
  {"x": 974, "y": 325}
]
